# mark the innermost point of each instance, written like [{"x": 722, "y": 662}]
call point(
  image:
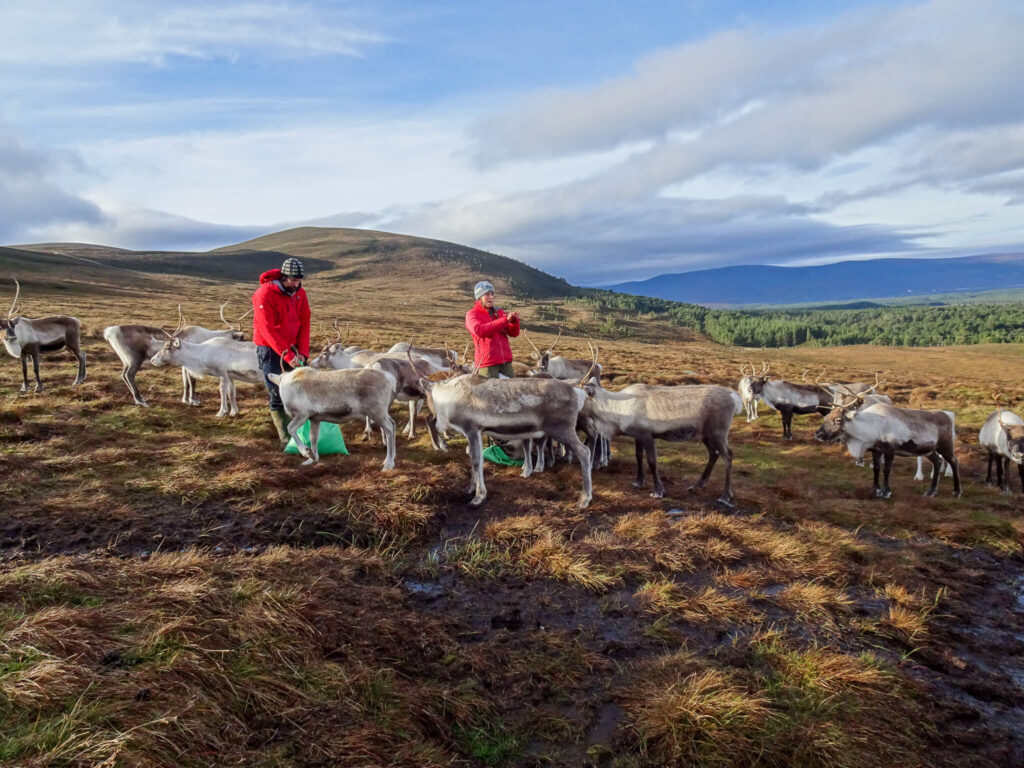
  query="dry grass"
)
[{"x": 262, "y": 605}]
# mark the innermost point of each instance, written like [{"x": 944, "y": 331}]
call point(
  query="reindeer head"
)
[
  {"x": 542, "y": 358},
  {"x": 832, "y": 425},
  {"x": 759, "y": 379},
  {"x": 1014, "y": 434},
  {"x": 335, "y": 354},
  {"x": 167, "y": 352}
]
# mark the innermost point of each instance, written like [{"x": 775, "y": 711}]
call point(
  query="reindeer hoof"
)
[
  {"x": 657, "y": 494},
  {"x": 307, "y": 462},
  {"x": 477, "y": 501},
  {"x": 584, "y": 501},
  {"x": 639, "y": 484},
  {"x": 388, "y": 466},
  {"x": 725, "y": 501}
]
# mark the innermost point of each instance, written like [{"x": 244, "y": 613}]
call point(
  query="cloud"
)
[
  {"x": 799, "y": 97},
  {"x": 609, "y": 244},
  {"x": 106, "y": 31},
  {"x": 31, "y": 196},
  {"x": 143, "y": 230}
]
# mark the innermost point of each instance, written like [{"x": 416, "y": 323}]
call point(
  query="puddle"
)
[{"x": 429, "y": 589}]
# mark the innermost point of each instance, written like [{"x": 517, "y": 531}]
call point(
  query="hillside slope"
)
[
  {"x": 843, "y": 281},
  {"x": 364, "y": 259}
]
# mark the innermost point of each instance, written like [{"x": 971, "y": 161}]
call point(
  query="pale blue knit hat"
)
[{"x": 481, "y": 288}]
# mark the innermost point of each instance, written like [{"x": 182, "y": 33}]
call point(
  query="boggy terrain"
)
[{"x": 176, "y": 592}]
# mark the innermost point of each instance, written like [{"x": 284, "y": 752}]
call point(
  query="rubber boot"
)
[{"x": 280, "y": 419}]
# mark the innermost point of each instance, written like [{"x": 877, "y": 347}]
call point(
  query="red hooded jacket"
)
[
  {"x": 280, "y": 321},
  {"x": 490, "y": 335}
]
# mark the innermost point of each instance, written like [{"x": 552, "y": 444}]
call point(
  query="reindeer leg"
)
[
  {"x": 527, "y": 458},
  {"x": 35, "y": 369},
  {"x": 1005, "y": 484},
  {"x": 787, "y": 423},
  {"x": 476, "y": 459},
  {"x": 295, "y": 421},
  {"x": 876, "y": 467},
  {"x": 24, "y": 371},
  {"x": 410, "y": 428},
  {"x": 652, "y": 463},
  {"x": 388, "y": 430},
  {"x": 889, "y": 455},
  {"x": 988, "y": 474},
  {"x": 571, "y": 440},
  {"x": 933, "y": 457},
  {"x": 436, "y": 438},
  {"x": 128, "y": 376},
  {"x": 233, "y": 393},
  {"x": 314, "y": 441},
  {"x": 80, "y": 355},
  {"x": 368, "y": 431},
  {"x": 1020, "y": 470},
  {"x": 713, "y": 453},
  {"x": 920, "y": 468},
  {"x": 638, "y": 447},
  {"x": 224, "y": 397}
]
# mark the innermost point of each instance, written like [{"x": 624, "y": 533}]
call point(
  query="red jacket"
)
[
  {"x": 490, "y": 335},
  {"x": 280, "y": 321}
]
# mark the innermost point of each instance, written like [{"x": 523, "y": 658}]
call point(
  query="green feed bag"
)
[
  {"x": 496, "y": 455},
  {"x": 330, "y": 440}
]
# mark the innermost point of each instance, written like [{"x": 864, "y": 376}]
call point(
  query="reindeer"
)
[
  {"x": 442, "y": 357},
  {"x": 746, "y": 393},
  {"x": 561, "y": 367},
  {"x": 700, "y": 413},
  {"x": 789, "y": 398},
  {"x": 508, "y": 409},
  {"x": 1002, "y": 437},
  {"x": 220, "y": 358},
  {"x": 135, "y": 344},
  {"x": 316, "y": 396},
  {"x": 26, "y": 338},
  {"x": 885, "y": 431}
]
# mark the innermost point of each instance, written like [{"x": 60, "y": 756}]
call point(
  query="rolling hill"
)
[{"x": 841, "y": 282}]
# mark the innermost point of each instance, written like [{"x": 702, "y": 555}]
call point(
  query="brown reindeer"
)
[{"x": 25, "y": 338}]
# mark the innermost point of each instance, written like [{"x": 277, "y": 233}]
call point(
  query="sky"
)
[{"x": 599, "y": 141}]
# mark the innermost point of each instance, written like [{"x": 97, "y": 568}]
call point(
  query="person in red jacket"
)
[
  {"x": 280, "y": 330},
  {"x": 491, "y": 328}
]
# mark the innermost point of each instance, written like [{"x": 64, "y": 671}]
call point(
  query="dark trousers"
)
[
  {"x": 492, "y": 371},
  {"x": 270, "y": 362}
]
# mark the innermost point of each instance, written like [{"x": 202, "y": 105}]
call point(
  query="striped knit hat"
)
[{"x": 293, "y": 268}]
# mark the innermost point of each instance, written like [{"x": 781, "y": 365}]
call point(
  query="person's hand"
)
[{"x": 513, "y": 316}]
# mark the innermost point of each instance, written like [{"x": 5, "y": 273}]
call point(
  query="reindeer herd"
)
[{"x": 542, "y": 410}]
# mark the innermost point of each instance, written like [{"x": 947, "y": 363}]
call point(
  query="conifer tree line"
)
[{"x": 909, "y": 326}]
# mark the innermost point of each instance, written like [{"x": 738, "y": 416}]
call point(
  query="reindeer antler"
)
[
  {"x": 222, "y": 319},
  {"x": 527, "y": 337},
  {"x": 14, "y": 304},
  {"x": 243, "y": 318},
  {"x": 593, "y": 350},
  {"x": 419, "y": 373},
  {"x": 560, "y": 330}
]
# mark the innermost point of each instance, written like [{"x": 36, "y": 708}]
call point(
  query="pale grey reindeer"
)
[
  {"x": 224, "y": 359},
  {"x": 646, "y": 413},
  {"x": 334, "y": 396},
  {"x": 561, "y": 367},
  {"x": 136, "y": 344},
  {"x": 508, "y": 409},
  {"x": 25, "y": 338},
  {"x": 1002, "y": 437},
  {"x": 885, "y": 431}
]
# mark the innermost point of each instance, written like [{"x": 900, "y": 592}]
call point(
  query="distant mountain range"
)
[{"x": 843, "y": 281}]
